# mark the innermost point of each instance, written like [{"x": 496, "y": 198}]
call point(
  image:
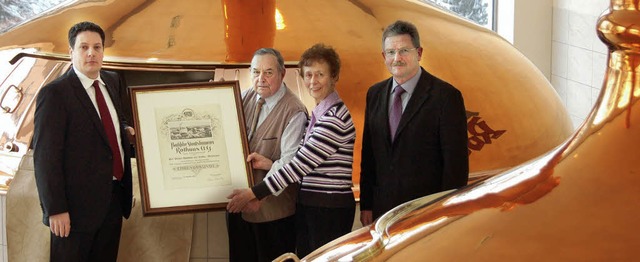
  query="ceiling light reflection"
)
[{"x": 279, "y": 20}]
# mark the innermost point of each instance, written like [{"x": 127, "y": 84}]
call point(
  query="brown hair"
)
[{"x": 321, "y": 53}]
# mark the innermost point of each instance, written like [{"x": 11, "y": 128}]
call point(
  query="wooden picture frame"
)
[{"x": 191, "y": 145}]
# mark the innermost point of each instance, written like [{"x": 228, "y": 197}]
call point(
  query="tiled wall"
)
[
  {"x": 210, "y": 243},
  {"x": 3, "y": 231},
  {"x": 578, "y": 56}
]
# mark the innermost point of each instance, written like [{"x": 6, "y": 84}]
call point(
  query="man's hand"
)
[
  {"x": 252, "y": 206},
  {"x": 259, "y": 161},
  {"x": 366, "y": 217},
  {"x": 239, "y": 199},
  {"x": 130, "y": 130},
  {"x": 131, "y": 133},
  {"x": 60, "y": 224}
]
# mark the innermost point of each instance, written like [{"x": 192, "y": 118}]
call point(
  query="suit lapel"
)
[
  {"x": 87, "y": 105},
  {"x": 418, "y": 98}
]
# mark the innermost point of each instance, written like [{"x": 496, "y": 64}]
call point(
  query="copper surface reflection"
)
[
  {"x": 576, "y": 206},
  {"x": 514, "y": 113},
  {"x": 574, "y": 203},
  {"x": 248, "y": 27}
]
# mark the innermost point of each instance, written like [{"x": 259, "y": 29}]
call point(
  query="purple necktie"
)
[
  {"x": 396, "y": 111},
  {"x": 105, "y": 116}
]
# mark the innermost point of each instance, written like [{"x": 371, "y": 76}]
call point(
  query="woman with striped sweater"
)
[{"x": 323, "y": 164}]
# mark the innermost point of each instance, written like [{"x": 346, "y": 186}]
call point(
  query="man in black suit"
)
[
  {"x": 83, "y": 172},
  {"x": 427, "y": 152}
]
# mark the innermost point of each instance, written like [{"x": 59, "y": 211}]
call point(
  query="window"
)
[
  {"x": 479, "y": 11},
  {"x": 15, "y": 12}
]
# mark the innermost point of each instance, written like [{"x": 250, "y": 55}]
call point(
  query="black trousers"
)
[
  {"x": 100, "y": 245},
  {"x": 316, "y": 226},
  {"x": 259, "y": 241}
]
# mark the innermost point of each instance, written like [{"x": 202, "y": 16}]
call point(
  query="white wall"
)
[
  {"x": 527, "y": 24},
  {"x": 505, "y": 15},
  {"x": 559, "y": 37},
  {"x": 578, "y": 56},
  {"x": 532, "y": 35}
]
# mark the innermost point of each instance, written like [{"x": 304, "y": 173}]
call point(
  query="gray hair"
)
[
  {"x": 273, "y": 52},
  {"x": 402, "y": 28}
]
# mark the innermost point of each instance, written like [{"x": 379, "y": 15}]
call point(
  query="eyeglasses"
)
[
  {"x": 401, "y": 52},
  {"x": 266, "y": 73}
]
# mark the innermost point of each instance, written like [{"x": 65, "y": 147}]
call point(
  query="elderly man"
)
[{"x": 275, "y": 119}]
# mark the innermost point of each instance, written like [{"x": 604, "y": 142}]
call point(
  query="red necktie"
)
[
  {"x": 396, "y": 111},
  {"x": 110, "y": 130}
]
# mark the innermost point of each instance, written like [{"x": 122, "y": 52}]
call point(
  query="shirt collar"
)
[
  {"x": 410, "y": 85},
  {"x": 273, "y": 100},
  {"x": 85, "y": 80},
  {"x": 326, "y": 103}
]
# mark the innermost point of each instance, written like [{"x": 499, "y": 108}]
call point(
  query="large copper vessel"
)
[
  {"x": 514, "y": 114},
  {"x": 578, "y": 202}
]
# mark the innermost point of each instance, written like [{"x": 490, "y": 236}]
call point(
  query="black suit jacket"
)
[
  {"x": 72, "y": 156},
  {"x": 429, "y": 153}
]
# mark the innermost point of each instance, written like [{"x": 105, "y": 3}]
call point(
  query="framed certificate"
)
[{"x": 191, "y": 146}]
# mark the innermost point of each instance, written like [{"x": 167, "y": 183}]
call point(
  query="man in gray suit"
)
[
  {"x": 415, "y": 132},
  {"x": 82, "y": 167}
]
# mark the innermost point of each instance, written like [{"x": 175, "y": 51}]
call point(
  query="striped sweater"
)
[{"x": 323, "y": 163}]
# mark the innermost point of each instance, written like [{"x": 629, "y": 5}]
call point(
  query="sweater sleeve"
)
[{"x": 332, "y": 131}]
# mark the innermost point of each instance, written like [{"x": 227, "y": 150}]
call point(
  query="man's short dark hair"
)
[
  {"x": 81, "y": 27},
  {"x": 321, "y": 53},
  {"x": 402, "y": 28},
  {"x": 273, "y": 52}
]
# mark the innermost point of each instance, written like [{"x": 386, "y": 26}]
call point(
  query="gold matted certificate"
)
[{"x": 191, "y": 145}]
